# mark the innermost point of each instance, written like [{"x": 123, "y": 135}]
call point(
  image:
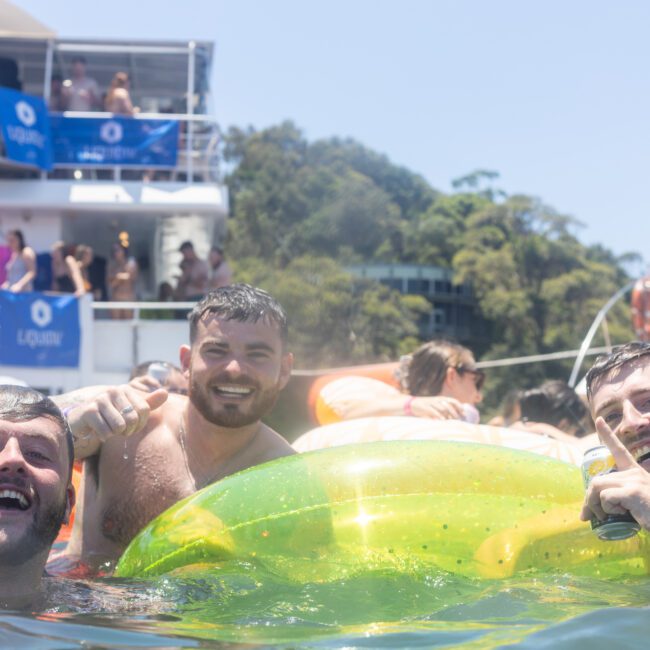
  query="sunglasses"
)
[{"x": 479, "y": 375}]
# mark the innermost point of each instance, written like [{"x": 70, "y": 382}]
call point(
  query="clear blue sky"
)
[{"x": 554, "y": 95}]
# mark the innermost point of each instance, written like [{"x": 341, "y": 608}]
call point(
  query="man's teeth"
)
[
  {"x": 235, "y": 390},
  {"x": 12, "y": 494},
  {"x": 641, "y": 451}
]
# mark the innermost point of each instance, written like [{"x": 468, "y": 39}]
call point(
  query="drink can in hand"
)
[{"x": 597, "y": 462}]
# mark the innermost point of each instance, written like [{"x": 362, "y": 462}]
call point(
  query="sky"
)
[{"x": 553, "y": 95}]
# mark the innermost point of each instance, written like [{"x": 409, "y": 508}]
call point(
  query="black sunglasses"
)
[{"x": 479, "y": 375}]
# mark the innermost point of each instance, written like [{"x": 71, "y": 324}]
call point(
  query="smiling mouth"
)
[
  {"x": 13, "y": 500},
  {"x": 233, "y": 391}
]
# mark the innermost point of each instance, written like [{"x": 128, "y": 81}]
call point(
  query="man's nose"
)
[
  {"x": 234, "y": 366},
  {"x": 11, "y": 458},
  {"x": 633, "y": 420}
]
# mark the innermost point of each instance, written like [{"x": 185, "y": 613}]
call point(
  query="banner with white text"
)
[
  {"x": 38, "y": 330},
  {"x": 122, "y": 141},
  {"x": 25, "y": 129}
]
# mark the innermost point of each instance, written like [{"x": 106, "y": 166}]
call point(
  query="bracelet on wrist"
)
[{"x": 407, "y": 406}]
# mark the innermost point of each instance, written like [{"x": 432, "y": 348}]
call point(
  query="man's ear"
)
[
  {"x": 71, "y": 499},
  {"x": 184, "y": 354},
  {"x": 286, "y": 366}
]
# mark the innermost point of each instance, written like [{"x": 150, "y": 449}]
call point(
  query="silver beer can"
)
[{"x": 597, "y": 462}]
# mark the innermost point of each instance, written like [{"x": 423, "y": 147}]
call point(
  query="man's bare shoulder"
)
[{"x": 271, "y": 445}]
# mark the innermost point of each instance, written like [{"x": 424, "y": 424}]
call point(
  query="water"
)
[{"x": 239, "y": 605}]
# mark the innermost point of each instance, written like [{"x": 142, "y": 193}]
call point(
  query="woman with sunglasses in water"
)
[{"x": 439, "y": 380}]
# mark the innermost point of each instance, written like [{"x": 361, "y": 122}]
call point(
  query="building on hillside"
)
[{"x": 453, "y": 306}]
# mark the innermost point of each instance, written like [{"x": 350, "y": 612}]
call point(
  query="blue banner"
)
[
  {"x": 25, "y": 128},
  {"x": 37, "y": 330},
  {"x": 114, "y": 141}
]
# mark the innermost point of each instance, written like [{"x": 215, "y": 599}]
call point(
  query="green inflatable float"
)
[{"x": 407, "y": 506}]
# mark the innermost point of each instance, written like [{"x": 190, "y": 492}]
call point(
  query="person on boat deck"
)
[
  {"x": 121, "y": 278},
  {"x": 220, "y": 273},
  {"x": 438, "y": 381},
  {"x": 145, "y": 451},
  {"x": 553, "y": 409},
  {"x": 21, "y": 266},
  {"x": 118, "y": 98},
  {"x": 618, "y": 389},
  {"x": 81, "y": 92},
  {"x": 36, "y": 492},
  {"x": 193, "y": 282},
  {"x": 66, "y": 275}
]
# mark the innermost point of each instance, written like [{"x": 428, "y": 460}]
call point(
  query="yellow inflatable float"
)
[{"x": 402, "y": 506}]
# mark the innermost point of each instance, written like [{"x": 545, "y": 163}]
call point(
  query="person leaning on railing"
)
[{"x": 21, "y": 266}]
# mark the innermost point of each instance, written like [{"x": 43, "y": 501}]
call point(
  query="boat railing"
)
[{"x": 110, "y": 347}]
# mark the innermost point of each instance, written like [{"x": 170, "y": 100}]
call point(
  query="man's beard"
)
[
  {"x": 39, "y": 536},
  {"x": 230, "y": 415}
]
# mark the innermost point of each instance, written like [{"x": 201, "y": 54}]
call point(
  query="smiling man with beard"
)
[
  {"x": 145, "y": 452},
  {"x": 618, "y": 388},
  {"x": 36, "y": 493}
]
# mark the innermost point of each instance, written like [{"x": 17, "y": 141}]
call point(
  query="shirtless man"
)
[
  {"x": 193, "y": 283},
  {"x": 618, "y": 388},
  {"x": 36, "y": 495},
  {"x": 145, "y": 451}
]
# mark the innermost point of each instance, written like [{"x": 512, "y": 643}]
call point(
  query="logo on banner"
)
[
  {"x": 41, "y": 313},
  {"x": 111, "y": 132},
  {"x": 25, "y": 128},
  {"x": 25, "y": 113}
]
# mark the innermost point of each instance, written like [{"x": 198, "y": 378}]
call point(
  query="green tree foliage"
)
[
  {"x": 334, "y": 317},
  {"x": 300, "y": 211}
]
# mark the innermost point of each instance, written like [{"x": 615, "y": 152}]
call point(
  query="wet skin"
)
[
  {"x": 35, "y": 497},
  {"x": 620, "y": 404},
  {"x": 235, "y": 371},
  {"x": 622, "y": 399}
]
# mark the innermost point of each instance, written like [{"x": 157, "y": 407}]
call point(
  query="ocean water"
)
[{"x": 240, "y": 605}]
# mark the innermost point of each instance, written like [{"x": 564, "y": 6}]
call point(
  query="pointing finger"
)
[{"x": 622, "y": 457}]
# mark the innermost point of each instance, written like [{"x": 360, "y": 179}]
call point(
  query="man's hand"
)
[
  {"x": 437, "y": 408},
  {"x": 623, "y": 491},
  {"x": 121, "y": 410}
]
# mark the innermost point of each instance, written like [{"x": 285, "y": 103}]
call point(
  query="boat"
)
[{"x": 92, "y": 193}]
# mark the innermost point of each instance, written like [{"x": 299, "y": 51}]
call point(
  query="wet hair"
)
[
  {"x": 619, "y": 356},
  {"x": 18, "y": 234},
  {"x": 240, "y": 302},
  {"x": 23, "y": 404},
  {"x": 553, "y": 402},
  {"x": 428, "y": 366}
]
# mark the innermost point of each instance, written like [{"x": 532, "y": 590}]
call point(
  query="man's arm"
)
[
  {"x": 98, "y": 412},
  {"x": 627, "y": 490}
]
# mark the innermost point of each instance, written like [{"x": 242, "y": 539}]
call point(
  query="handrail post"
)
[
  {"x": 189, "y": 129},
  {"x": 593, "y": 329}
]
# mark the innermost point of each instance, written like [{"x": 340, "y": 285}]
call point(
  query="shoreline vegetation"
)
[{"x": 302, "y": 211}]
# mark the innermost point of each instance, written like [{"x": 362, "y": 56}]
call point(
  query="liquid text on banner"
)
[{"x": 38, "y": 330}]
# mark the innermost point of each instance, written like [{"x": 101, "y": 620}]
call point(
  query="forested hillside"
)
[{"x": 301, "y": 211}]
